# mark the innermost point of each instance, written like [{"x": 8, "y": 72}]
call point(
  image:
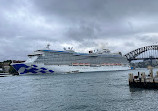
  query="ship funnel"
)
[{"x": 48, "y": 45}]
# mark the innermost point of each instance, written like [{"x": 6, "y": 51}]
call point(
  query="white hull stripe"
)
[{"x": 42, "y": 69}]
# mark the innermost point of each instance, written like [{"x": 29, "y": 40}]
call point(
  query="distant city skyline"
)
[{"x": 120, "y": 25}]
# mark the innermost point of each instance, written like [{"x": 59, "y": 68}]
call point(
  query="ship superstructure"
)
[{"x": 69, "y": 61}]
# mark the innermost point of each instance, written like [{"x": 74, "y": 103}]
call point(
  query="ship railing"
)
[
  {"x": 103, "y": 64},
  {"x": 75, "y": 64}
]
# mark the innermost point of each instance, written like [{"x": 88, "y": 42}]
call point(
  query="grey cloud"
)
[
  {"x": 23, "y": 23},
  {"x": 150, "y": 39},
  {"x": 83, "y": 31},
  {"x": 129, "y": 44},
  {"x": 93, "y": 8},
  {"x": 112, "y": 17}
]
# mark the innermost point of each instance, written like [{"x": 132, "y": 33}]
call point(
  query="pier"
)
[
  {"x": 144, "y": 81},
  {"x": 5, "y": 75}
]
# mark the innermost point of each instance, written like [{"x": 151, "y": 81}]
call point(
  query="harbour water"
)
[{"x": 96, "y": 91}]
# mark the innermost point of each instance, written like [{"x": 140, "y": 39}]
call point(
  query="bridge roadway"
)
[{"x": 141, "y": 59}]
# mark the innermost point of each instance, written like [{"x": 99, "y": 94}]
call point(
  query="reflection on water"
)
[
  {"x": 101, "y": 91},
  {"x": 132, "y": 89}
]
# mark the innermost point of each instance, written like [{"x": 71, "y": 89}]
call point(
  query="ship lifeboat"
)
[
  {"x": 119, "y": 64},
  {"x": 104, "y": 64},
  {"x": 116, "y": 64},
  {"x": 75, "y": 64},
  {"x": 87, "y": 64},
  {"x": 111, "y": 64},
  {"x": 107, "y": 64},
  {"x": 81, "y": 64}
]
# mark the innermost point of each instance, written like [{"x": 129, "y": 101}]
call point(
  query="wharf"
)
[
  {"x": 5, "y": 74},
  {"x": 144, "y": 81}
]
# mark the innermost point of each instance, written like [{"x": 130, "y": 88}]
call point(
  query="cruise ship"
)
[{"x": 68, "y": 61}]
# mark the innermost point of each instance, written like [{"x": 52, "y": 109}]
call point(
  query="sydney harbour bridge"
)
[{"x": 143, "y": 53}]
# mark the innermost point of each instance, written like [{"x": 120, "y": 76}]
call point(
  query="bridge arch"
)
[{"x": 135, "y": 53}]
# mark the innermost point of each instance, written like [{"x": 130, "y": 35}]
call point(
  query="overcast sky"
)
[{"x": 120, "y": 25}]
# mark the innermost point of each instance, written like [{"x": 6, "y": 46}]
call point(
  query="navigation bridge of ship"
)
[{"x": 143, "y": 53}]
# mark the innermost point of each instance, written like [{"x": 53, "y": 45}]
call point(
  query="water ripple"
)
[{"x": 99, "y": 91}]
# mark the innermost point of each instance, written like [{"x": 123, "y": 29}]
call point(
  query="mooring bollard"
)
[
  {"x": 130, "y": 77},
  {"x": 138, "y": 74},
  {"x": 157, "y": 73},
  {"x": 143, "y": 77},
  {"x": 151, "y": 71}
]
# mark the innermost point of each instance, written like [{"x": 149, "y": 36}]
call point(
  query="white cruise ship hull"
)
[{"x": 27, "y": 68}]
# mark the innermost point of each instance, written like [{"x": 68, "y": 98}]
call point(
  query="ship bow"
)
[{"x": 30, "y": 69}]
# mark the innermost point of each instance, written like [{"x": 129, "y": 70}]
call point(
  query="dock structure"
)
[
  {"x": 144, "y": 81},
  {"x": 5, "y": 75}
]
